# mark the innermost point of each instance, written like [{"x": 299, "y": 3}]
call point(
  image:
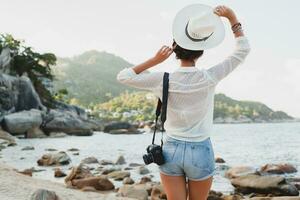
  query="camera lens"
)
[{"x": 147, "y": 159}]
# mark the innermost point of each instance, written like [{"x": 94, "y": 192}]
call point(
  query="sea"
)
[{"x": 253, "y": 144}]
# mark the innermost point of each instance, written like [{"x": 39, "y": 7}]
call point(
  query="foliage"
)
[{"x": 26, "y": 61}]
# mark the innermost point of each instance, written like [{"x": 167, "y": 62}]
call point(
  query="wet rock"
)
[
  {"x": 21, "y": 122},
  {"x": 128, "y": 180},
  {"x": 60, "y": 158},
  {"x": 58, "y": 173},
  {"x": 119, "y": 175},
  {"x": 51, "y": 149},
  {"x": 73, "y": 149},
  {"x": 67, "y": 122},
  {"x": 106, "y": 162},
  {"x": 219, "y": 160},
  {"x": 42, "y": 194},
  {"x": 135, "y": 165},
  {"x": 120, "y": 160},
  {"x": 90, "y": 160},
  {"x": 98, "y": 182},
  {"x": 112, "y": 169},
  {"x": 120, "y": 128},
  {"x": 237, "y": 171},
  {"x": 28, "y": 148},
  {"x": 133, "y": 191},
  {"x": 128, "y": 168},
  {"x": 278, "y": 168},
  {"x": 275, "y": 185},
  {"x": 143, "y": 170},
  {"x": 76, "y": 154}
]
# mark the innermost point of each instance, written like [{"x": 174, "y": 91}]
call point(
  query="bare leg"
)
[
  {"x": 174, "y": 186},
  {"x": 199, "y": 190}
]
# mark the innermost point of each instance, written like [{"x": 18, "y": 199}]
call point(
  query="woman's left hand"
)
[{"x": 163, "y": 53}]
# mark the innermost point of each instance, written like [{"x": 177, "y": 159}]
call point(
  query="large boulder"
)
[
  {"x": 67, "y": 122},
  {"x": 275, "y": 185},
  {"x": 79, "y": 172},
  {"x": 237, "y": 171},
  {"x": 17, "y": 94},
  {"x": 118, "y": 175},
  {"x": 21, "y": 122},
  {"x": 44, "y": 194}
]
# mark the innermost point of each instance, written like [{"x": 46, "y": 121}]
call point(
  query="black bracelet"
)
[{"x": 235, "y": 25}]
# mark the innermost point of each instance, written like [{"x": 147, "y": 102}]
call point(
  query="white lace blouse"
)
[{"x": 191, "y": 93}]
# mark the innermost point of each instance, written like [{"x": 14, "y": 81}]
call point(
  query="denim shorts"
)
[{"x": 194, "y": 160}]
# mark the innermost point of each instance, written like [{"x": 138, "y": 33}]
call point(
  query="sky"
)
[{"x": 136, "y": 29}]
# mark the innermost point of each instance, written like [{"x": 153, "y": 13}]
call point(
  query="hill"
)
[{"x": 90, "y": 77}]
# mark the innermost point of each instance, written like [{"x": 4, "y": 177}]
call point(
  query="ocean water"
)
[{"x": 238, "y": 144}]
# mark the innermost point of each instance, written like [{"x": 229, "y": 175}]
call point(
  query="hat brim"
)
[{"x": 181, "y": 20}]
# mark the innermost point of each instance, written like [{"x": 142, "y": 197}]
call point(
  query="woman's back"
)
[{"x": 191, "y": 93}]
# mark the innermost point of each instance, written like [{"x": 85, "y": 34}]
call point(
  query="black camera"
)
[{"x": 154, "y": 154}]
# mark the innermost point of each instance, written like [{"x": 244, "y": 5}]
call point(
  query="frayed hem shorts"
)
[{"x": 194, "y": 160}]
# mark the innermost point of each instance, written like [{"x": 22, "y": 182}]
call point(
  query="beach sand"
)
[{"x": 16, "y": 186}]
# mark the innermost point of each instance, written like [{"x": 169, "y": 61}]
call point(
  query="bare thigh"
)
[
  {"x": 199, "y": 190},
  {"x": 174, "y": 186}
]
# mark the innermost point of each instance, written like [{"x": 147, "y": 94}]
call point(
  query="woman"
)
[{"x": 187, "y": 147}]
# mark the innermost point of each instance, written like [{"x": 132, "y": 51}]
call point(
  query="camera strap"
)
[{"x": 161, "y": 108}]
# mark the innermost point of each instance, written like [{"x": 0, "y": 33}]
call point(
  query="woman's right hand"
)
[{"x": 224, "y": 11}]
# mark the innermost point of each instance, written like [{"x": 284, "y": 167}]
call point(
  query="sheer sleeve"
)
[
  {"x": 221, "y": 70},
  {"x": 145, "y": 80}
]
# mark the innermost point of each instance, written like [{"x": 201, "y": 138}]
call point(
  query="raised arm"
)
[
  {"x": 242, "y": 47},
  {"x": 140, "y": 77}
]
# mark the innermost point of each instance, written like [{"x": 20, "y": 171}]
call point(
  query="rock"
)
[
  {"x": 128, "y": 180},
  {"x": 99, "y": 183},
  {"x": 135, "y": 165},
  {"x": 58, "y": 173},
  {"x": 60, "y": 158},
  {"x": 6, "y": 136},
  {"x": 143, "y": 170},
  {"x": 133, "y": 191},
  {"x": 237, "y": 171},
  {"x": 35, "y": 132},
  {"x": 42, "y": 194},
  {"x": 67, "y": 122},
  {"x": 27, "y": 172},
  {"x": 27, "y": 148},
  {"x": 219, "y": 160},
  {"x": 275, "y": 185},
  {"x": 128, "y": 168},
  {"x": 51, "y": 149},
  {"x": 106, "y": 162},
  {"x": 78, "y": 172},
  {"x": 119, "y": 175},
  {"x": 120, "y": 160},
  {"x": 158, "y": 193},
  {"x": 76, "y": 154},
  {"x": 109, "y": 170},
  {"x": 145, "y": 179},
  {"x": 276, "y": 198},
  {"x": 120, "y": 128},
  {"x": 57, "y": 135},
  {"x": 21, "y": 122},
  {"x": 18, "y": 94},
  {"x": 278, "y": 168},
  {"x": 73, "y": 149},
  {"x": 90, "y": 160}
]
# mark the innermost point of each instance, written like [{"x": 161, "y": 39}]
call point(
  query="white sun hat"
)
[{"x": 197, "y": 27}]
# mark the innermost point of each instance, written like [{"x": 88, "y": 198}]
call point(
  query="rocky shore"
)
[{"x": 113, "y": 178}]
